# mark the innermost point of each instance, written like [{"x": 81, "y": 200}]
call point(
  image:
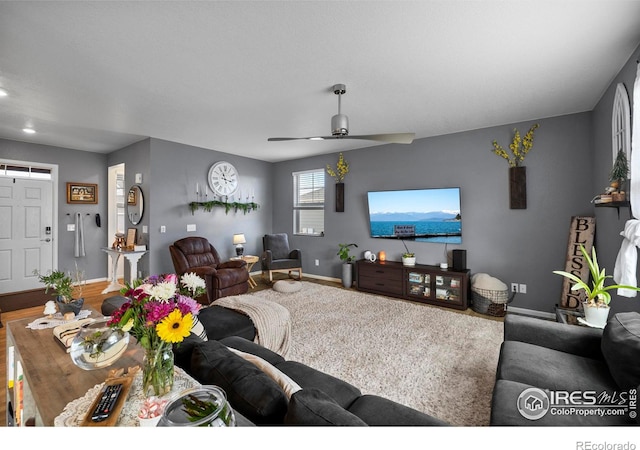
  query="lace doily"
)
[
  {"x": 75, "y": 411},
  {"x": 55, "y": 320}
]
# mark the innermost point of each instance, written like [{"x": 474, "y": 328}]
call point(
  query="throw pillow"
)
[
  {"x": 198, "y": 329},
  {"x": 289, "y": 386},
  {"x": 621, "y": 348},
  {"x": 249, "y": 391},
  {"x": 312, "y": 407}
]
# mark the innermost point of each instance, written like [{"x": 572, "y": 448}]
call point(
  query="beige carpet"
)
[{"x": 437, "y": 361}]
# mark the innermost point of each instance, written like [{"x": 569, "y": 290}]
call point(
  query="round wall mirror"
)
[{"x": 135, "y": 205}]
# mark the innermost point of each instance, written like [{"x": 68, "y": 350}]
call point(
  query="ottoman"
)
[{"x": 287, "y": 286}]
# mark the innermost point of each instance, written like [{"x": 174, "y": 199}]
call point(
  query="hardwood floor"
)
[{"x": 94, "y": 298}]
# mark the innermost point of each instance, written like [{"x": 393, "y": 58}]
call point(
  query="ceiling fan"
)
[{"x": 340, "y": 128}]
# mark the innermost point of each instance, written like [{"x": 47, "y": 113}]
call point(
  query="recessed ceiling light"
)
[
  {"x": 3, "y": 92},
  {"x": 29, "y": 130}
]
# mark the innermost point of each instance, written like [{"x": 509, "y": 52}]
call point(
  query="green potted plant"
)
[
  {"x": 596, "y": 305},
  {"x": 618, "y": 175},
  {"x": 408, "y": 258},
  {"x": 64, "y": 289},
  {"x": 347, "y": 266}
]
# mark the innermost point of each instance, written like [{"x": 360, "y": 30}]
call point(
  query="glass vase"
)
[
  {"x": 204, "y": 406},
  {"x": 157, "y": 370}
]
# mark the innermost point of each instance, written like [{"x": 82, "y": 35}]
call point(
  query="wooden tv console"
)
[{"x": 419, "y": 283}]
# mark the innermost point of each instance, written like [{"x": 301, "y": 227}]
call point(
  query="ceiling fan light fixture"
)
[{"x": 340, "y": 125}]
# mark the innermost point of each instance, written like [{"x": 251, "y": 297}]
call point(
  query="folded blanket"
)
[{"x": 271, "y": 320}]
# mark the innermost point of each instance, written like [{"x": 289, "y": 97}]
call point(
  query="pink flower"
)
[
  {"x": 171, "y": 278},
  {"x": 187, "y": 305},
  {"x": 156, "y": 311}
]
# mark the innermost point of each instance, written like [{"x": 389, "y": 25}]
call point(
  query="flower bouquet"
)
[{"x": 161, "y": 311}]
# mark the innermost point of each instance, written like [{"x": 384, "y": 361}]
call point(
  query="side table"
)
[
  {"x": 251, "y": 260},
  {"x": 133, "y": 256}
]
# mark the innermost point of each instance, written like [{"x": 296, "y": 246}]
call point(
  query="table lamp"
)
[{"x": 238, "y": 240}]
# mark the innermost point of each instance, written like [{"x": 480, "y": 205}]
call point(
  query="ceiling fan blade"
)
[
  {"x": 395, "y": 138},
  {"x": 310, "y": 138}
]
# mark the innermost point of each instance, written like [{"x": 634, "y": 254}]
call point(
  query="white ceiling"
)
[{"x": 226, "y": 75}]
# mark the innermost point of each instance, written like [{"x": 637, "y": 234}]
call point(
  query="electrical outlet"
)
[
  {"x": 514, "y": 287},
  {"x": 522, "y": 289},
  {"x": 191, "y": 227},
  {"x": 317, "y": 262},
  {"x": 71, "y": 227},
  {"x": 163, "y": 229}
]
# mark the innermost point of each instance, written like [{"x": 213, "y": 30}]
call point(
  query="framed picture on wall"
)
[
  {"x": 132, "y": 197},
  {"x": 82, "y": 193}
]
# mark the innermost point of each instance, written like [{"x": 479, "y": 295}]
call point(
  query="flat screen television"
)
[{"x": 421, "y": 215}]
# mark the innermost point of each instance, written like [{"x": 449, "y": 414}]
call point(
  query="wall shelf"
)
[
  {"x": 617, "y": 205},
  {"x": 228, "y": 206}
]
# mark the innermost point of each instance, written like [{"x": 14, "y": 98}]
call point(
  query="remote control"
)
[{"x": 107, "y": 401}]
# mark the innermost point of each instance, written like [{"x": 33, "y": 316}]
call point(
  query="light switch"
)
[
  {"x": 71, "y": 227},
  {"x": 191, "y": 227},
  {"x": 145, "y": 229},
  {"x": 138, "y": 178}
]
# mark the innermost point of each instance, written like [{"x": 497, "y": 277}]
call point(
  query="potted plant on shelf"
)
[
  {"x": 618, "y": 176},
  {"x": 64, "y": 289},
  {"x": 408, "y": 258},
  {"x": 596, "y": 305},
  {"x": 347, "y": 266}
]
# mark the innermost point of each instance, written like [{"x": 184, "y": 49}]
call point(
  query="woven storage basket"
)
[{"x": 492, "y": 303}]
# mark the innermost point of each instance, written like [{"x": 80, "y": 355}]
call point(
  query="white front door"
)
[{"x": 26, "y": 232}]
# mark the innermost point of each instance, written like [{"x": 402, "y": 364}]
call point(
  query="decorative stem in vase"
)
[{"x": 157, "y": 370}]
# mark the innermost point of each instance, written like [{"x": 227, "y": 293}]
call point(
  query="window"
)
[
  {"x": 19, "y": 171},
  {"x": 621, "y": 124},
  {"x": 308, "y": 202}
]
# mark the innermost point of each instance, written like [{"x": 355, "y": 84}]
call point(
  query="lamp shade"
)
[{"x": 239, "y": 239}]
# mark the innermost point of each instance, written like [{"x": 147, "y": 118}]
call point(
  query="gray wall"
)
[
  {"x": 608, "y": 224},
  {"x": 522, "y": 246},
  {"x": 175, "y": 170},
  {"x": 75, "y": 166}
]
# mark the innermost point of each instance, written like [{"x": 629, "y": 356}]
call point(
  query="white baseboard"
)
[
  {"x": 532, "y": 312},
  {"x": 307, "y": 275}
]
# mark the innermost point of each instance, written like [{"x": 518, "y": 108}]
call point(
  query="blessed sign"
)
[{"x": 581, "y": 232}]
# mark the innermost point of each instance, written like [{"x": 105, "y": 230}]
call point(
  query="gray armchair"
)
[{"x": 278, "y": 257}]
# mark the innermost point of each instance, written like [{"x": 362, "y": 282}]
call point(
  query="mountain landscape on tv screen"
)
[{"x": 413, "y": 216}]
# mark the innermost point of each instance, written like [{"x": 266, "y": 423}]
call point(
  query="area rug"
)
[{"x": 437, "y": 361}]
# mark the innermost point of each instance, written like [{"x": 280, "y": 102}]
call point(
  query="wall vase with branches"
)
[
  {"x": 519, "y": 147},
  {"x": 341, "y": 170}
]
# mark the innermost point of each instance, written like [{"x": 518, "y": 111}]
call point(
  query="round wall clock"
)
[{"x": 223, "y": 178}]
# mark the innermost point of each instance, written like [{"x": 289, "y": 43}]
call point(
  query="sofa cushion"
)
[
  {"x": 244, "y": 345},
  {"x": 378, "y": 411},
  {"x": 182, "y": 351},
  {"x": 621, "y": 348},
  {"x": 551, "y": 369},
  {"x": 252, "y": 393},
  {"x": 307, "y": 377},
  {"x": 289, "y": 386},
  {"x": 312, "y": 407},
  {"x": 221, "y": 322}
]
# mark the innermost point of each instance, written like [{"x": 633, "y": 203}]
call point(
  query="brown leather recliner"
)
[{"x": 197, "y": 255}]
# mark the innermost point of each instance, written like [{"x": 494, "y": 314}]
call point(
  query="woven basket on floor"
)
[{"x": 492, "y": 303}]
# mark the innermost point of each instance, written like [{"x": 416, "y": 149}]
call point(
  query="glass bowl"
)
[{"x": 204, "y": 406}]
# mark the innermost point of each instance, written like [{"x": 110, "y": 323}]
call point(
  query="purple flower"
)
[{"x": 187, "y": 305}]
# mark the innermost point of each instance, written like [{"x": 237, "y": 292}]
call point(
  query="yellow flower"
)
[
  {"x": 519, "y": 147},
  {"x": 175, "y": 327},
  {"x": 342, "y": 168}
]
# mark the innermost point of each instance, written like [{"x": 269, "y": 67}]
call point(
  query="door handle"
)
[{"x": 46, "y": 240}]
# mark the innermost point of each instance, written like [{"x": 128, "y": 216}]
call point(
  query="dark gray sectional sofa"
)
[
  {"x": 559, "y": 358},
  {"x": 322, "y": 399}
]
